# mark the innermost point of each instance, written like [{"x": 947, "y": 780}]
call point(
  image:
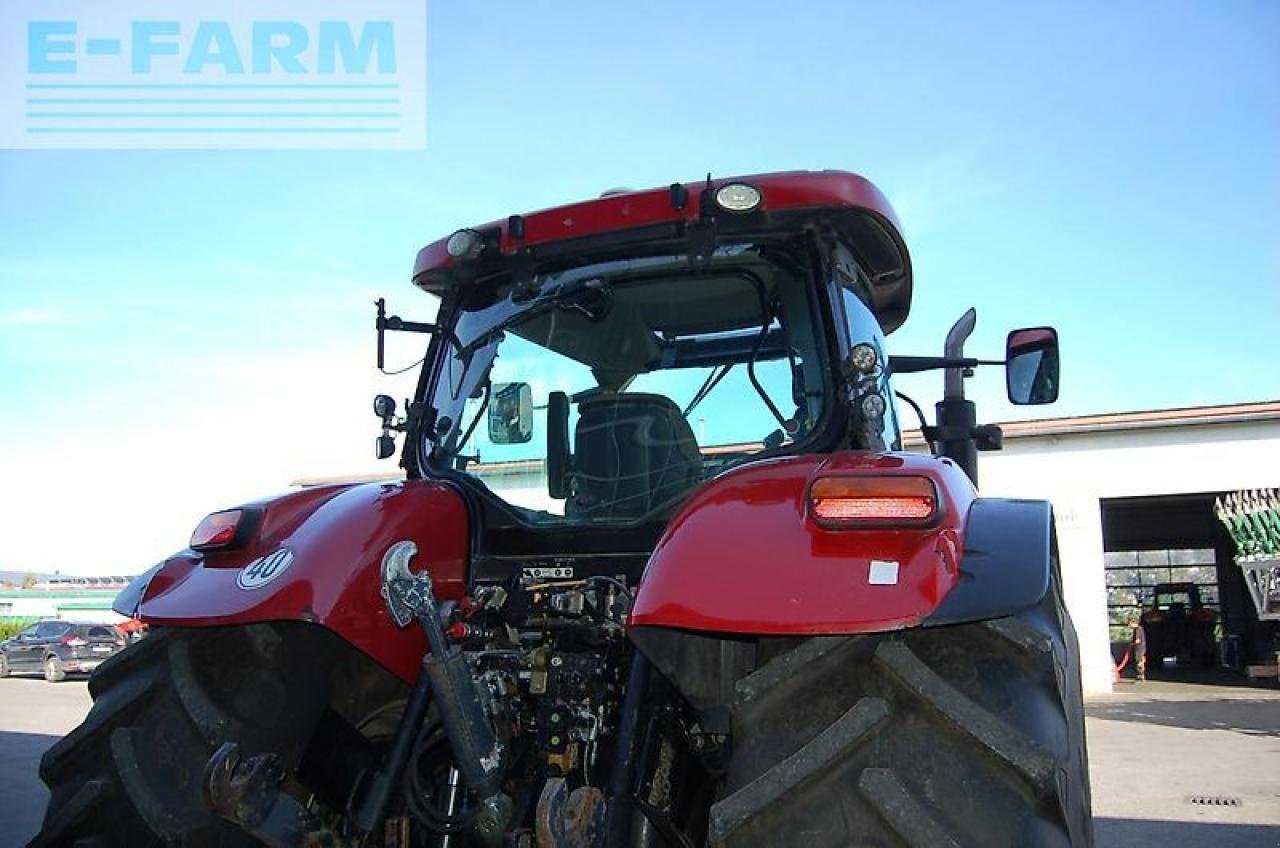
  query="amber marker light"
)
[{"x": 841, "y": 503}]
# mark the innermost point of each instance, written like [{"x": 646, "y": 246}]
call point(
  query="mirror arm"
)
[
  {"x": 916, "y": 364},
  {"x": 475, "y": 422},
  {"x": 381, "y": 323},
  {"x": 396, "y": 324}
]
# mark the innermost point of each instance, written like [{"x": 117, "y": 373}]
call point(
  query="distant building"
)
[{"x": 71, "y": 598}]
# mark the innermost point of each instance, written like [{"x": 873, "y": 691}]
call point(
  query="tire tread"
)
[
  {"x": 979, "y": 741},
  {"x": 1034, "y": 763},
  {"x": 847, "y": 731}
]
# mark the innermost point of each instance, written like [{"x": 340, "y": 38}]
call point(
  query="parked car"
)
[{"x": 58, "y": 648}]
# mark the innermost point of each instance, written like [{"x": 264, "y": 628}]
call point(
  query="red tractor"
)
[
  {"x": 1178, "y": 625},
  {"x": 659, "y": 572}
]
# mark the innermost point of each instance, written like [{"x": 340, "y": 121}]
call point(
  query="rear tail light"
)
[
  {"x": 74, "y": 642},
  {"x": 227, "y": 529},
  {"x": 839, "y": 503}
]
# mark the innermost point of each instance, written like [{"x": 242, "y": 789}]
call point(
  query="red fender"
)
[
  {"x": 337, "y": 535},
  {"x": 744, "y": 556}
]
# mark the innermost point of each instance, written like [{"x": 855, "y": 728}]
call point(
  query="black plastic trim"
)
[
  {"x": 1006, "y": 565},
  {"x": 129, "y": 598}
]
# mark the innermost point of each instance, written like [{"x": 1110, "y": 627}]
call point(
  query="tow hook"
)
[
  {"x": 570, "y": 819},
  {"x": 246, "y": 792}
]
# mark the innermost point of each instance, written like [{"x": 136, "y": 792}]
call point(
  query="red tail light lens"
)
[
  {"x": 219, "y": 530},
  {"x": 74, "y": 642},
  {"x": 843, "y": 502}
]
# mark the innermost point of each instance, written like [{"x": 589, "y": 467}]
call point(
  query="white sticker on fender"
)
[
  {"x": 883, "y": 573},
  {"x": 264, "y": 569}
]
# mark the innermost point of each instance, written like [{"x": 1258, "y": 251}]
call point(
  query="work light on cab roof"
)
[
  {"x": 738, "y": 197},
  {"x": 465, "y": 244}
]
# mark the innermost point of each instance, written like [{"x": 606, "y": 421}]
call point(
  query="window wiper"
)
[
  {"x": 555, "y": 297},
  {"x": 713, "y": 380},
  {"x": 767, "y": 316}
]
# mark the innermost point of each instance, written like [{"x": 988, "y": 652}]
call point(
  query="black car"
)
[{"x": 59, "y": 648}]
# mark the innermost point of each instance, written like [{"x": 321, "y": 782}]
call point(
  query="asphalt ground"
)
[
  {"x": 1157, "y": 745},
  {"x": 1152, "y": 748}
]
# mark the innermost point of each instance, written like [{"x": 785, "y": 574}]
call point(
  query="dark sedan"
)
[{"x": 58, "y": 648}]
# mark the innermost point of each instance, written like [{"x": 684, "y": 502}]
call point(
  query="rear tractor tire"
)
[
  {"x": 132, "y": 773},
  {"x": 967, "y": 735}
]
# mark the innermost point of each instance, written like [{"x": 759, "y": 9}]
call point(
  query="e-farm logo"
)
[{"x": 213, "y": 73}]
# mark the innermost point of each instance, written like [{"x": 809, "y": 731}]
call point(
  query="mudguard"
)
[
  {"x": 744, "y": 556},
  {"x": 743, "y": 559},
  {"x": 334, "y": 538},
  {"x": 1007, "y": 563}
]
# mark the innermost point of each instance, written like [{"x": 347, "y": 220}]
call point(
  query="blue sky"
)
[{"x": 180, "y": 331}]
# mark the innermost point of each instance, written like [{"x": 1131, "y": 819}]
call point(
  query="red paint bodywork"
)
[
  {"x": 743, "y": 555},
  {"x": 629, "y": 210},
  {"x": 338, "y": 535}
]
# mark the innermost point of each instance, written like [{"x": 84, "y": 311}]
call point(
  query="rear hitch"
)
[
  {"x": 570, "y": 819},
  {"x": 246, "y": 792}
]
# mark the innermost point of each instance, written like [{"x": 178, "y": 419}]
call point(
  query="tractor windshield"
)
[{"x": 604, "y": 393}]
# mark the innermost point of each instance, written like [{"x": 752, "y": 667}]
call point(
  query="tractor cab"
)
[{"x": 592, "y": 365}]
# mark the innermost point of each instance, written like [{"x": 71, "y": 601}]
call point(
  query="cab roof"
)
[{"x": 854, "y": 210}]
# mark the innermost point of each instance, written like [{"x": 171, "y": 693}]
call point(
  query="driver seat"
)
[{"x": 632, "y": 453}]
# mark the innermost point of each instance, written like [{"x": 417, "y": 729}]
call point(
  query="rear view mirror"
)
[
  {"x": 1031, "y": 366},
  {"x": 511, "y": 414}
]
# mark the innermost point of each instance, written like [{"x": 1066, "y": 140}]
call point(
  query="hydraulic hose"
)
[{"x": 376, "y": 801}]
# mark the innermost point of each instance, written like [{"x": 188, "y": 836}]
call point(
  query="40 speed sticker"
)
[{"x": 264, "y": 569}]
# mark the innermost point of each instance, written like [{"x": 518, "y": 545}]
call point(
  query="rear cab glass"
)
[{"x": 707, "y": 368}]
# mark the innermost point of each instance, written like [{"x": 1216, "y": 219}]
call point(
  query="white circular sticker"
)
[{"x": 264, "y": 569}]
